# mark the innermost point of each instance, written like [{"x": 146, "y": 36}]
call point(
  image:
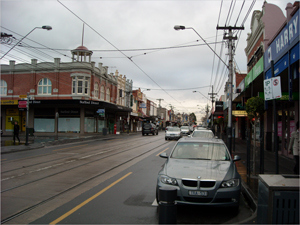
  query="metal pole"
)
[
  {"x": 27, "y": 119},
  {"x": 275, "y": 126},
  {"x": 229, "y": 126}
]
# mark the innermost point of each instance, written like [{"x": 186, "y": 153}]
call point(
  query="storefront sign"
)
[
  {"x": 258, "y": 68},
  {"x": 272, "y": 88},
  {"x": 88, "y": 102},
  {"x": 9, "y": 102},
  {"x": 101, "y": 112},
  {"x": 281, "y": 43},
  {"x": 68, "y": 112},
  {"x": 143, "y": 105},
  {"x": 238, "y": 113},
  {"x": 219, "y": 106}
]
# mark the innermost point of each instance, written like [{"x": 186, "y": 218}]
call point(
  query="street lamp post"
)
[{"x": 43, "y": 27}]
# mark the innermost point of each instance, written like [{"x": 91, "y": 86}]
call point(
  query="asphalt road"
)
[{"x": 94, "y": 182}]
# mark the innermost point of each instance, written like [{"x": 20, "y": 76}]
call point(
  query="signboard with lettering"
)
[
  {"x": 101, "y": 112},
  {"x": 219, "y": 106},
  {"x": 281, "y": 43},
  {"x": 272, "y": 88},
  {"x": 22, "y": 104}
]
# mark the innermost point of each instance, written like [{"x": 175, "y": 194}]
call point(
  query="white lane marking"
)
[{"x": 154, "y": 203}]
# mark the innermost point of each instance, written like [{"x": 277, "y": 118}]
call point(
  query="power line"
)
[{"x": 118, "y": 50}]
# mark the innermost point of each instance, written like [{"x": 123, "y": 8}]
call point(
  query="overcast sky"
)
[{"x": 170, "y": 63}]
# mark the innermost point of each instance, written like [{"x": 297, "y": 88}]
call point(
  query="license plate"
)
[{"x": 198, "y": 193}]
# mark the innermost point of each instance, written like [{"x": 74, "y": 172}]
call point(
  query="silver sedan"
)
[
  {"x": 202, "y": 133},
  {"x": 203, "y": 173},
  {"x": 173, "y": 133}
]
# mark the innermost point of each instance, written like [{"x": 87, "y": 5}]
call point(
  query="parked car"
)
[
  {"x": 203, "y": 173},
  {"x": 185, "y": 130},
  {"x": 149, "y": 128},
  {"x": 202, "y": 133},
  {"x": 173, "y": 133}
]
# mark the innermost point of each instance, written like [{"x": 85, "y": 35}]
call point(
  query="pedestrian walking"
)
[
  {"x": 16, "y": 132},
  {"x": 294, "y": 147}
]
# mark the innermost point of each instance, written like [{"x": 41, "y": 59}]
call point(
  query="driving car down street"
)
[{"x": 203, "y": 173}]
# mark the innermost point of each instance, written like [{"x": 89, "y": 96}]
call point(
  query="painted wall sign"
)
[{"x": 282, "y": 41}]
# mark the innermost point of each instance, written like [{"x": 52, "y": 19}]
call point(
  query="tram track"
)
[
  {"x": 45, "y": 200},
  {"x": 52, "y": 160},
  {"x": 75, "y": 167}
]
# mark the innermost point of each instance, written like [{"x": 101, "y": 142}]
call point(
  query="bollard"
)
[{"x": 167, "y": 205}]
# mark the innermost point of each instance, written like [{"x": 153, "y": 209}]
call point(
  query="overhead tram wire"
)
[
  {"x": 239, "y": 13},
  {"x": 117, "y": 49},
  {"x": 212, "y": 70},
  {"x": 178, "y": 89}
]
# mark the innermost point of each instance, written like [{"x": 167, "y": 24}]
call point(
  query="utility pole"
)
[
  {"x": 212, "y": 104},
  {"x": 230, "y": 39},
  {"x": 159, "y": 114}
]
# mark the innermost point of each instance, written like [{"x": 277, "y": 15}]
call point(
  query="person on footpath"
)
[
  {"x": 294, "y": 147},
  {"x": 16, "y": 132}
]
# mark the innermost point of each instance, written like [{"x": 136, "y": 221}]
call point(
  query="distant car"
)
[
  {"x": 202, "y": 133},
  {"x": 185, "y": 130},
  {"x": 203, "y": 173},
  {"x": 167, "y": 128},
  {"x": 173, "y": 133},
  {"x": 149, "y": 128},
  {"x": 200, "y": 128}
]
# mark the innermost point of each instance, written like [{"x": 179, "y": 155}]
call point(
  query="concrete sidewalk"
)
[{"x": 35, "y": 142}]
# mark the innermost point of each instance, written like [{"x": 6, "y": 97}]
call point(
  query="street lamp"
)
[
  {"x": 180, "y": 27},
  {"x": 43, "y": 27}
]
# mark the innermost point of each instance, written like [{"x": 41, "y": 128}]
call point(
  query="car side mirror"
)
[
  {"x": 236, "y": 158},
  {"x": 163, "y": 155}
]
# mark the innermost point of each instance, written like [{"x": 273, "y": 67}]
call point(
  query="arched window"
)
[
  {"x": 102, "y": 93},
  {"x": 107, "y": 95},
  {"x": 96, "y": 90},
  {"x": 45, "y": 87},
  {"x": 3, "y": 88}
]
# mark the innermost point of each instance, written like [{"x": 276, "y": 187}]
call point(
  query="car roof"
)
[
  {"x": 201, "y": 139},
  {"x": 206, "y": 131}
]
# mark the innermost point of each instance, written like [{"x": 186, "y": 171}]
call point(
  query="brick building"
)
[{"x": 65, "y": 97}]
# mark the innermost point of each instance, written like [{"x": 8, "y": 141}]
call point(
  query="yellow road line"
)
[
  {"x": 88, "y": 200},
  {"x": 69, "y": 147},
  {"x": 162, "y": 151}
]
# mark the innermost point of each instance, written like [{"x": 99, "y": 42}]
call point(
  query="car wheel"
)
[
  {"x": 165, "y": 138},
  {"x": 143, "y": 134}
]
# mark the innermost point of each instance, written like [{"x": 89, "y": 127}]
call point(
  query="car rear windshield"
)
[
  {"x": 204, "y": 134},
  {"x": 184, "y": 127},
  {"x": 147, "y": 125},
  {"x": 174, "y": 129},
  {"x": 201, "y": 151}
]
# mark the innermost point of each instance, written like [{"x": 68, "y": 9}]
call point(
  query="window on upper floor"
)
[
  {"x": 107, "y": 95},
  {"x": 96, "y": 90},
  {"x": 45, "y": 87},
  {"x": 102, "y": 93},
  {"x": 3, "y": 88},
  {"x": 80, "y": 85}
]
